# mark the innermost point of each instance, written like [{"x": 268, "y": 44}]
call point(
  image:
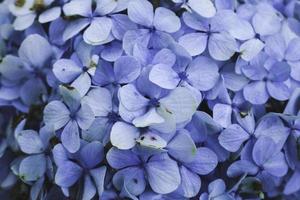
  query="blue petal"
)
[
  {"x": 78, "y": 7},
  {"x": 131, "y": 99},
  {"x": 91, "y": 154},
  {"x": 241, "y": 167},
  {"x": 32, "y": 167},
  {"x": 166, "y": 20},
  {"x": 85, "y": 117},
  {"x": 97, "y": 95},
  {"x": 59, "y": 154},
  {"x": 98, "y": 176},
  {"x": 121, "y": 24},
  {"x": 140, "y": 12},
  {"x": 70, "y": 96},
  {"x": 279, "y": 91},
  {"x": 164, "y": 76},
  {"x": 126, "y": 69},
  {"x": 66, "y": 70},
  {"x": 89, "y": 189},
  {"x": 119, "y": 159},
  {"x": 237, "y": 27},
  {"x": 190, "y": 183},
  {"x": 222, "y": 46},
  {"x": 40, "y": 54},
  {"x": 292, "y": 51},
  {"x": 194, "y": 43},
  {"x": 233, "y": 137},
  {"x": 30, "y": 142},
  {"x": 105, "y": 7},
  {"x": 182, "y": 147},
  {"x": 74, "y": 27},
  {"x": 205, "y": 8},
  {"x": 50, "y": 15},
  {"x": 256, "y": 92},
  {"x": 98, "y": 31},
  {"x": 204, "y": 163},
  {"x": 82, "y": 83},
  {"x": 67, "y": 174},
  {"x": 163, "y": 174},
  {"x": 203, "y": 73},
  {"x": 70, "y": 137},
  {"x": 56, "y": 114},
  {"x": 123, "y": 135}
]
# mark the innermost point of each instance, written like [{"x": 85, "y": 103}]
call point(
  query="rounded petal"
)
[
  {"x": 140, "y": 12},
  {"x": 56, "y": 114},
  {"x": 278, "y": 90},
  {"x": 203, "y": 73},
  {"x": 205, "y": 8},
  {"x": 233, "y": 137},
  {"x": 166, "y": 20},
  {"x": 292, "y": 52},
  {"x": 40, "y": 54},
  {"x": 222, "y": 46},
  {"x": 50, "y": 15},
  {"x": 98, "y": 31},
  {"x": 78, "y": 7},
  {"x": 67, "y": 174},
  {"x": 182, "y": 147},
  {"x": 91, "y": 154},
  {"x": 100, "y": 101},
  {"x": 194, "y": 43},
  {"x": 119, "y": 159},
  {"x": 190, "y": 183},
  {"x": 70, "y": 137},
  {"x": 180, "y": 103},
  {"x": 74, "y": 27},
  {"x": 66, "y": 70},
  {"x": 126, "y": 69},
  {"x": 32, "y": 167},
  {"x": 123, "y": 135},
  {"x": 164, "y": 76},
  {"x": 85, "y": 116},
  {"x": 241, "y": 167},
  {"x": 256, "y": 92},
  {"x": 131, "y": 99},
  {"x": 163, "y": 174},
  {"x": 251, "y": 48},
  {"x": 204, "y": 163},
  {"x": 30, "y": 142}
]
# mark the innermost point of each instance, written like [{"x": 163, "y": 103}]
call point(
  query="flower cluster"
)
[{"x": 148, "y": 100}]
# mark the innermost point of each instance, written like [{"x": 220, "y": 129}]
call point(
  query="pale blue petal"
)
[
  {"x": 30, "y": 142},
  {"x": 194, "y": 43},
  {"x": 32, "y": 167},
  {"x": 123, "y": 135},
  {"x": 66, "y": 70},
  {"x": 98, "y": 31},
  {"x": 163, "y": 174},
  {"x": 141, "y": 12},
  {"x": 70, "y": 137},
  {"x": 164, "y": 76},
  {"x": 182, "y": 147},
  {"x": 78, "y": 7},
  {"x": 126, "y": 69},
  {"x": 40, "y": 54},
  {"x": 56, "y": 114},
  {"x": 67, "y": 174},
  {"x": 222, "y": 46},
  {"x": 233, "y": 137},
  {"x": 166, "y": 20}
]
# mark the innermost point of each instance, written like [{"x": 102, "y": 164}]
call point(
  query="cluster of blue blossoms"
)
[{"x": 150, "y": 100}]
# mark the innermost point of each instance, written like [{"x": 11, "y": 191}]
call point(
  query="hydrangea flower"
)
[{"x": 139, "y": 99}]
